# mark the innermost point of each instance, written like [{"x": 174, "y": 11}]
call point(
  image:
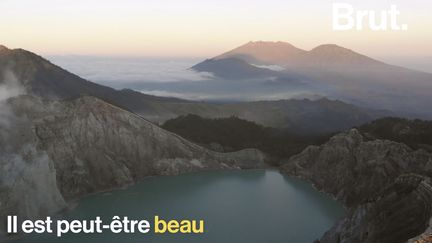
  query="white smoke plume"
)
[
  {"x": 9, "y": 87},
  {"x": 27, "y": 176}
]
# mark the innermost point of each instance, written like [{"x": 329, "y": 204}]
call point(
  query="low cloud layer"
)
[
  {"x": 233, "y": 97},
  {"x": 110, "y": 70},
  {"x": 173, "y": 78},
  {"x": 271, "y": 67}
]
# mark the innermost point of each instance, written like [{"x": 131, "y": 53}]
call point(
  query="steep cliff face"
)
[
  {"x": 402, "y": 210},
  {"x": 71, "y": 148},
  {"x": 369, "y": 177},
  {"x": 28, "y": 184}
]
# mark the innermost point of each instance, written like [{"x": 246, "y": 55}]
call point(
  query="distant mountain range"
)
[
  {"x": 285, "y": 54},
  {"x": 329, "y": 70},
  {"x": 41, "y": 78}
]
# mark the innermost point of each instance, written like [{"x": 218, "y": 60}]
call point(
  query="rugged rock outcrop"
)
[
  {"x": 384, "y": 185},
  {"x": 402, "y": 210},
  {"x": 57, "y": 151}
]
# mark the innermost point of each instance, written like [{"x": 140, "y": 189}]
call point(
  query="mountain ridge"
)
[
  {"x": 264, "y": 52},
  {"x": 337, "y": 55},
  {"x": 286, "y": 54},
  {"x": 340, "y": 73},
  {"x": 43, "y": 79}
]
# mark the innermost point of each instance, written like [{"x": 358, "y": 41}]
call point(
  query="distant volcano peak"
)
[
  {"x": 332, "y": 54},
  {"x": 268, "y": 43},
  {"x": 264, "y": 52},
  {"x": 329, "y": 47},
  {"x": 287, "y": 55}
]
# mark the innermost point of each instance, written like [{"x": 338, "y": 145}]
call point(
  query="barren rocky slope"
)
[
  {"x": 55, "y": 151},
  {"x": 385, "y": 185}
]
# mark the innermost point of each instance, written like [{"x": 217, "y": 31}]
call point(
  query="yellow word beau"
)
[{"x": 174, "y": 226}]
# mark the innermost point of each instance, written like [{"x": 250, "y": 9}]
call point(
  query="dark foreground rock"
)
[
  {"x": 386, "y": 186},
  {"x": 402, "y": 211}
]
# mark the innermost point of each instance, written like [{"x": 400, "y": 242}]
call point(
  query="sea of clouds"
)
[
  {"x": 109, "y": 70},
  {"x": 173, "y": 77}
]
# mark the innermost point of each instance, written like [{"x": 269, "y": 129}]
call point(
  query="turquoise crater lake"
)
[{"x": 256, "y": 206}]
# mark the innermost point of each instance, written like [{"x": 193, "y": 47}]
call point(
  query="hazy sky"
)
[{"x": 200, "y": 28}]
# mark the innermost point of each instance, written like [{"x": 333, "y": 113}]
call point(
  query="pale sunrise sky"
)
[{"x": 200, "y": 28}]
